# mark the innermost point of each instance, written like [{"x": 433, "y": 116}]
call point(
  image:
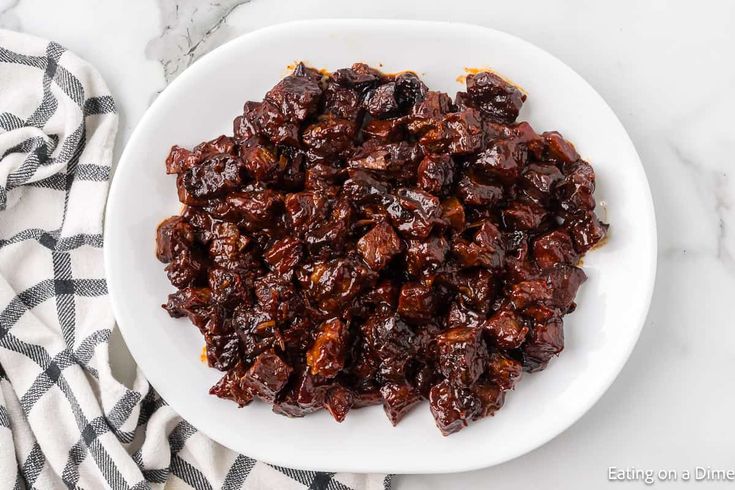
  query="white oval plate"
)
[{"x": 201, "y": 103}]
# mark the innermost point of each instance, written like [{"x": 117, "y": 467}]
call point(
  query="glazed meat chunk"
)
[
  {"x": 496, "y": 98},
  {"x": 378, "y": 246}
]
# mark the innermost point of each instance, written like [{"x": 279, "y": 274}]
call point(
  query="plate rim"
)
[{"x": 354, "y": 466}]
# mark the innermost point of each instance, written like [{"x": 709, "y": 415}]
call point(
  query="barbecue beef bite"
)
[{"x": 361, "y": 239}]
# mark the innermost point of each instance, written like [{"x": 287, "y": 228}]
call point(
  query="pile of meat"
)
[{"x": 363, "y": 240}]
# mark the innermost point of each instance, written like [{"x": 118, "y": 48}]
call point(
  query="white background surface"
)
[{"x": 666, "y": 68}]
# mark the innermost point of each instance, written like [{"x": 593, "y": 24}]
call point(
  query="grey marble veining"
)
[
  {"x": 190, "y": 28},
  {"x": 8, "y": 17}
]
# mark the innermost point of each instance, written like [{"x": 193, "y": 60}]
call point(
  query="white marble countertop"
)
[{"x": 667, "y": 70}]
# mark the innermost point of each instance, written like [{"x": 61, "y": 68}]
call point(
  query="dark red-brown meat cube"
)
[
  {"x": 232, "y": 386},
  {"x": 414, "y": 213},
  {"x": 452, "y": 407},
  {"x": 329, "y": 137},
  {"x": 586, "y": 231},
  {"x": 462, "y": 354},
  {"x": 214, "y": 176},
  {"x": 506, "y": 329},
  {"x": 491, "y": 398},
  {"x": 531, "y": 291},
  {"x": 180, "y": 160},
  {"x": 544, "y": 342},
  {"x": 173, "y": 235},
  {"x": 539, "y": 181},
  {"x": 425, "y": 256},
  {"x": 379, "y": 245},
  {"x": 416, "y": 302},
  {"x": 334, "y": 284},
  {"x": 504, "y": 371},
  {"x": 187, "y": 268},
  {"x": 296, "y": 97},
  {"x": 465, "y": 131},
  {"x": 227, "y": 287},
  {"x": 453, "y": 213},
  {"x": 503, "y": 160},
  {"x": 522, "y": 215},
  {"x": 260, "y": 162},
  {"x": 576, "y": 190},
  {"x": 381, "y": 101},
  {"x": 553, "y": 248},
  {"x": 559, "y": 148},
  {"x": 326, "y": 357},
  {"x": 267, "y": 376},
  {"x": 460, "y": 315},
  {"x": 398, "y": 399},
  {"x": 338, "y": 401},
  {"x": 496, "y": 98},
  {"x": 284, "y": 254},
  {"x": 305, "y": 209},
  {"x": 486, "y": 249},
  {"x": 564, "y": 281},
  {"x": 223, "y": 349},
  {"x": 436, "y": 174},
  {"x": 259, "y": 208},
  {"x": 475, "y": 193}
]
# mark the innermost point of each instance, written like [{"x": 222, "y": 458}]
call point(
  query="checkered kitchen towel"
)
[{"x": 64, "y": 419}]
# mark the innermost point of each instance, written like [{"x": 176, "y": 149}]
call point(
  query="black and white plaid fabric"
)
[{"x": 65, "y": 422}]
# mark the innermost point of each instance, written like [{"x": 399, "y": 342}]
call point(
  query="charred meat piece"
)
[
  {"x": 491, "y": 398},
  {"x": 398, "y": 399},
  {"x": 296, "y": 96},
  {"x": 436, "y": 174},
  {"x": 267, "y": 376},
  {"x": 504, "y": 371},
  {"x": 553, "y": 248},
  {"x": 333, "y": 284},
  {"x": 338, "y": 401},
  {"x": 496, "y": 98},
  {"x": 414, "y": 213},
  {"x": 378, "y": 246},
  {"x": 425, "y": 256},
  {"x": 173, "y": 236},
  {"x": 326, "y": 357},
  {"x": 506, "y": 329},
  {"x": 545, "y": 341},
  {"x": 329, "y": 137},
  {"x": 284, "y": 255},
  {"x": 453, "y": 407},
  {"x": 416, "y": 302},
  {"x": 214, "y": 176},
  {"x": 462, "y": 355}
]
